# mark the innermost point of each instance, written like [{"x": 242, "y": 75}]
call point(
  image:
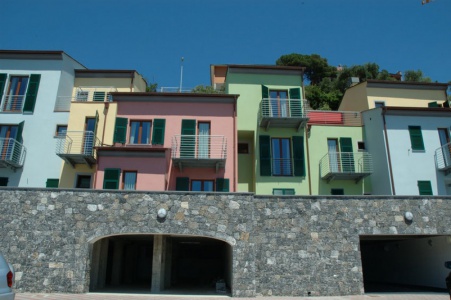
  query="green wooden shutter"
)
[
  {"x": 3, "y": 181},
  {"x": 295, "y": 102},
  {"x": 52, "y": 183},
  {"x": 222, "y": 184},
  {"x": 265, "y": 155},
  {"x": 298, "y": 155},
  {"x": 158, "y": 131},
  {"x": 416, "y": 138},
  {"x": 3, "y": 78},
  {"x": 111, "y": 179},
  {"x": 265, "y": 92},
  {"x": 347, "y": 155},
  {"x": 99, "y": 96},
  {"x": 182, "y": 184},
  {"x": 32, "y": 93},
  {"x": 188, "y": 139},
  {"x": 425, "y": 187},
  {"x": 19, "y": 131},
  {"x": 17, "y": 149},
  {"x": 120, "y": 130}
]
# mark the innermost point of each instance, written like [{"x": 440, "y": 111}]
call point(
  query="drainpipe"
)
[
  {"x": 308, "y": 158},
  {"x": 384, "y": 110},
  {"x": 235, "y": 141},
  {"x": 131, "y": 82}
]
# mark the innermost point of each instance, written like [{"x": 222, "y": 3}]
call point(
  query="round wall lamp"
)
[
  {"x": 162, "y": 213},
  {"x": 408, "y": 216}
]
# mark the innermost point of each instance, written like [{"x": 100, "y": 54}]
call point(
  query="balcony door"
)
[
  {"x": 279, "y": 103},
  {"x": 281, "y": 157},
  {"x": 334, "y": 160},
  {"x": 446, "y": 146},
  {"x": 15, "y": 94},
  {"x": 89, "y": 135},
  {"x": 204, "y": 140},
  {"x": 7, "y": 134}
]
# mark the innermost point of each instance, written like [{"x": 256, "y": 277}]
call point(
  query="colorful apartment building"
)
[
  {"x": 91, "y": 122},
  {"x": 377, "y": 93},
  {"x": 170, "y": 141},
  {"x": 34, "y": 110},
  {"x": 411, "y": 150},
  {"x": 338, "y": 161},
  {"x": 271, "y": 126}
]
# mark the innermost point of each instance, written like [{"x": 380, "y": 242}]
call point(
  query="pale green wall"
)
[
  {"x": 318, "y": 148},
  {"x": 248, "y": 86}
]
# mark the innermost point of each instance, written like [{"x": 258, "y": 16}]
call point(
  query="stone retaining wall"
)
[{"x": 289, "y": 246}]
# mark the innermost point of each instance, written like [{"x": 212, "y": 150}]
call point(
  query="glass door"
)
[
  {"x": 446, "y": 146},
  {"x": 88, "y": 139},
  {"x": 203, "y": 149},
  {"x": 279, "y": 103},
  {"x": 334, "y": 161}
]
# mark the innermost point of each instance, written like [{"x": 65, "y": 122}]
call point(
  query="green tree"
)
[
  {"x": 417, "y": 76},
  {"x": 152, "y": 87}
]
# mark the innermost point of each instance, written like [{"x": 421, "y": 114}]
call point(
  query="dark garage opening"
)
[
  {"x": 400, "y": 264},
  {"x": 161, "y": 264}
]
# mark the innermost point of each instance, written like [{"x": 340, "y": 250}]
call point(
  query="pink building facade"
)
[{"x": 171, "y": 141}]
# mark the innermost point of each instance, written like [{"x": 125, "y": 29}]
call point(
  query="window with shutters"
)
[
  {"x": 416, "y": 138},
  {"x": 18, "y": 92},
  {"x": 424, "y": 187},
  {"x": 281, "y": 103},
  {"x": 282, "y": 156},
  {"x": 143, "y": 132}
]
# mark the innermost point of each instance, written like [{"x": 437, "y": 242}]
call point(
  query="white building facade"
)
[
  {"x": 35, "y": 94},
  {"x": 410, "y": 149}
]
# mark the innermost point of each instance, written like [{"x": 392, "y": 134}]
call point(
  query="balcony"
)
[
  {"x": 199, "y": 151},
  {"x": 12, "y": 153},
  {"x": 346, "y": 166},
  {"x": 85, "y": 94},
  {"x": 282, "y": 113},
  {"x": 443, "y": 158},
  {"x": 77, "y": 147},
  {"x": 12, "y": 103}
]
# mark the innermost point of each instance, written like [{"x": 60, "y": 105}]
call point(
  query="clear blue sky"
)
[{"x": 151, "y": 36}]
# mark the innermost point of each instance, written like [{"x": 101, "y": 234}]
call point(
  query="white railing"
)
[
  {"x": 77, "y": 142},
  {"x": 443, "y": 157},
  {"x": 282, "y": 108},
  {"x": 327, "y": 117},
  {"x": 199, "y": 147},
  {"x": 12, "y": 152},
  {"x": 346, "y": 163},
  {"x": 172, "y": 89},
  {"x": 12, "y": 103}
]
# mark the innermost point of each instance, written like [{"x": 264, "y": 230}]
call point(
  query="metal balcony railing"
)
[
  {"x": 12, "y": 103},
  {"x": 275, "y": 112},
  {"x": 174, "y": 89},
  {"x": 281, "y": 167},
  {"x": 12, "y": 153},
  {"x": 346, "y": 165},
  {"x": 199, "y": 150},
  {"x": 343, "y": 118},
  {"x": 77, "y": 147},
  {"x": 443, "y": 157}
]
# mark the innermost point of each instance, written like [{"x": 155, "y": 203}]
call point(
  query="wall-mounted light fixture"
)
[
  {"x": 162, "y": 213},
  {"x": 408, "y": 216}
]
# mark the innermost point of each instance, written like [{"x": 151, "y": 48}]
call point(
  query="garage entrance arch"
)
[{"x": 149, "y": 263}]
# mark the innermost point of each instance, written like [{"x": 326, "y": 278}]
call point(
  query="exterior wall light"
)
[
  {"x": 408, "y": 216},
  {"x": 162, "y": 213}
]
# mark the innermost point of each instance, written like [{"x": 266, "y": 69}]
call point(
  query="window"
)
[
  {"x": 83, "y": 182},
  {"x": 111, "y": 179},
  {"x": 129, "y": 180},
  {"x": 3, "y": 181},
  {"x": 243, "y": 148},
  {"x": 277, "y": 158},
  {"x": 279, "y": 103},
  {"x": 337, "y": 192},
  {"x": 378, "y": 104},
  {"x": 281, "y": 156},
  {"x": 443, "y": 135},
  {"x": 416, "y": 138},
  {"x": 203, "y": 147},
  {"x": 20, "y": 92},
  {"x": 424, "y": 187},
  {"x": 283, "y": 192},
  {"x": 140, "y": 132},
  {"x": 202, "y": 185},
  {"x": 361, "y": 146},
  {"x": 61, "y": 130},
  {"x": 52, "y": 183}
]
